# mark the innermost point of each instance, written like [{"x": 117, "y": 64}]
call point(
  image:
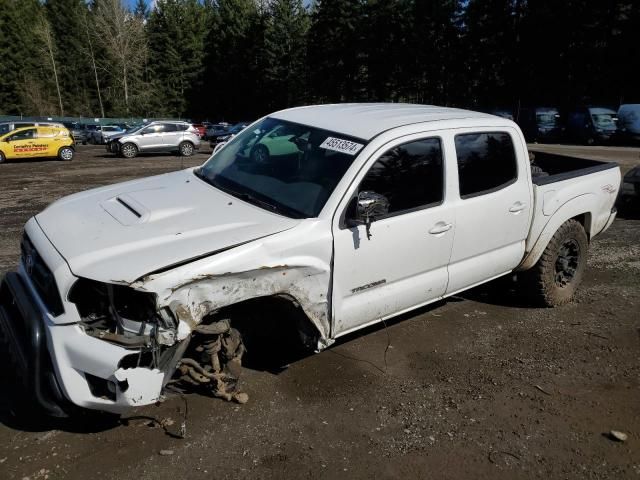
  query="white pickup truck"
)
[{"x": 334, "y": 216}]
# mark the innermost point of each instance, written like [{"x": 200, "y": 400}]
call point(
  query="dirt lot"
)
[{"x": 480, "y": 386}]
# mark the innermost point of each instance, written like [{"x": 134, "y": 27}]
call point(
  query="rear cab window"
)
[{"x": 486, "y": 162}]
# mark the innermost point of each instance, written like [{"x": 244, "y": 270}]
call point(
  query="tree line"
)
[{"x": 238, "y": 59}]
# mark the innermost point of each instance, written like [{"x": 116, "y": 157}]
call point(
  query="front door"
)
[
  {"x": 152, "y": 138},
  {"x": 493, "y": 208},
  {"x": 22, "y": 144},
  {"x": 402, "y": 262}
]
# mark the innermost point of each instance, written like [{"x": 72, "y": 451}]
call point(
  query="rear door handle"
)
[
  {"x": 440, "y": 227},
  {"x": 517, "y": 207}
]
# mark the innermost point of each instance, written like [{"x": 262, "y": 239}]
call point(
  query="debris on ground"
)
[
  {"x": 166, "y": 453},
  {"x": 618, "y": 436}
]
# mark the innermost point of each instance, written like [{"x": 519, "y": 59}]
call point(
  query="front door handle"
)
[
  {"x": 517, "y": 207},
  {"x": 440, "y": 227}
]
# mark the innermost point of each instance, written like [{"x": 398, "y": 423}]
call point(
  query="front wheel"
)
[
  {"x": 186, "y": 149},
  {"x": 260, "y": 154},
  {"x": 65, "y": 153},
  {"x": 555, "y": 278},
  {"x": 2, "y": 158},
  {"x": 129, "y": 150}
]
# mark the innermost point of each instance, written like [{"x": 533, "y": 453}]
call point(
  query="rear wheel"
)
[
  {"x": 555, "y": 278},
  {"x": 65, "y": 153},
  {"x": 186, "y": 149},
  {"x": 129, "y": 150}
]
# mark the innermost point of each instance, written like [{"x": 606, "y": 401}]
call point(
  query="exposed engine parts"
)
[{"x": 218, "y": 351}]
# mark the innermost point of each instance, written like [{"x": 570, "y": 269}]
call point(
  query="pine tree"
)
[
  {"x": 235, "y": 55},
  {"x": 336, "y": 55},
  {"x": 23, "y": 79},
  {"x": 177, "y": 30},
  {"x": 285, "y": 75}
]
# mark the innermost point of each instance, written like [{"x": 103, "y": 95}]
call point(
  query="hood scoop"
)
[{"x": 125, "y": 210}]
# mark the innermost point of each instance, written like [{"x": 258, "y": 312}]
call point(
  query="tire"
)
[
  {"x": 2, "y": 158},
  {"x": 554, "y": 279},
  {"x": 65, "y": 154},
  {"x": 186, "y": 149},
  {"x": 129, "y": 150},
  {"x": 260, "y": 154}
]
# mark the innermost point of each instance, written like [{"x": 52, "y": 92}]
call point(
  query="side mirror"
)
[{"x": 371, "y": 205}]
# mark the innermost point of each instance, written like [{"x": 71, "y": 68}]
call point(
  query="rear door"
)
[
  {"x": 493, "y": 208},
  {"x": 403, "y": 263},
  {"x": 49, "y": 140},
  {"x": 173, "y": 135}
]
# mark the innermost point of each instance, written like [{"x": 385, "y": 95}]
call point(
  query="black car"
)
[
  {"x": 77, "y": 131},
  {"x": 541, "y": 124},
  {"x": 226, "y": 135}
]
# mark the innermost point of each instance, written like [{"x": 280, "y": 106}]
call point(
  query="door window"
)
[
  {"x": 486, "y": 162},
  {"x": 410, "y": 176},
  {"x": 23, "y": 135},
  {"x": 154, "y": 129}
]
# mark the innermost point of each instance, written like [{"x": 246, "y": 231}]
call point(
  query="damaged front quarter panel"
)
[{"x": 197, "y": 297}]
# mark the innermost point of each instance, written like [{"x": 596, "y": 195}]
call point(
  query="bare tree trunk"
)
[
  {"x": 44, "y": 32},
  {"x": 126, "y": 87},
  {"x": 93, "y": 63}
]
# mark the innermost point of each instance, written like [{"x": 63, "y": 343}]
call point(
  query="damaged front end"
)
[{"x": 155, "y": 348}]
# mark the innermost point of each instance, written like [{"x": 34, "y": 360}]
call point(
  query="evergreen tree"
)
[
  {"x": 285, "y": 46},
  {"x": 336, "y": 53},
  {"x": 388, "y": 55},
  {"x": 22, "y": 82},
  {"x": 176, "y": 30},
  {"x": 235, "y": 53}
]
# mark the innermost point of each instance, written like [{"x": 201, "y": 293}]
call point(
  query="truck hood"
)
[{"x": 120, "y": 233}]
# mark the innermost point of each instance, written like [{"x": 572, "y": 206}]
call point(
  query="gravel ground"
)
[{"x": 480, "y": 386}]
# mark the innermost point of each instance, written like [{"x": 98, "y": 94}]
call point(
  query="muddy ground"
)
[{"x": 481, "y": 386}]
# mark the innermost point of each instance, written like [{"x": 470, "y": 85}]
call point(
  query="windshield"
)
[
  {"x": 604, "y": 120},
  {"x": 288, "y": 168},
  {"x": 548, "y": 118}
]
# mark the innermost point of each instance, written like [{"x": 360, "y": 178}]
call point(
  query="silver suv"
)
[{"x": 161, "y": 136}]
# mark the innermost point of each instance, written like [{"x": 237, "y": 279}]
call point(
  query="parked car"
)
[
  {"x": 159, "y": 136},
  {"x": 630, "y": 190},
  {"x": 78, "y": 133},
  {"x": 227, "y": 134},
  {"x": 215, "y": 130},
  {"x": 541, "y": 124},
  {"x": 202, "y": 130},
  {"x": 591, "y": 125},
  {"x": 103, "y": 133},
  {"x": 386, "y": 208},
  {"x": 37, "y": 142},
  {"x": 629, "y": 122},
  {"x": 502, "y": 112},
  {"x": 6, "y": 127}
]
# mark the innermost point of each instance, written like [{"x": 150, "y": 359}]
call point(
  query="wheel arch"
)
[{"x": 579, "y": 209}]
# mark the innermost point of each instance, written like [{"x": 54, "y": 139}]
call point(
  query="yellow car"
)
[{"x": 32, "y": 142}]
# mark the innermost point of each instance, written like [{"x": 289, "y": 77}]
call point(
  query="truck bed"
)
[
  {"x": 570, "y": 187},
  {"x": 562, "y": 167}
]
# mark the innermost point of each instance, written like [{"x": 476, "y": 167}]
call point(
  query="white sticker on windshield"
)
[{"x": 342, "y": 146}]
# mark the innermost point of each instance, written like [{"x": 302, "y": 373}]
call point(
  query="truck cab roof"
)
[{"x": 368, "y": 120}]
